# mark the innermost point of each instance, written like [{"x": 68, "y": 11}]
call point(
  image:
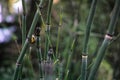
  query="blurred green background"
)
[{"x": 74, "y": 14}]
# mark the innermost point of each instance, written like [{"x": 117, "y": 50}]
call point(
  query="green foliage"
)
[
  {"x": 68, "y": 24},
  {"x": 105, "y": 70}
]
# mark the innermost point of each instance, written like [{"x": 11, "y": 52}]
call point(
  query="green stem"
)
[
  {"x": 39, "y": 51},
  {"x": 60, "y": 71},
  {"x": 24, "y": 7},
  {"x": 23, "y": 32},
  {"x": 41, "y": 2},
  {"x": 88, "y": 25},
  {"x": 28, "y": 63},
  {"x": 48, "y": 24},
  {"x": 69, "y": 60},
  {"x": 86, "y": 39},
  {"x": 106, "y": 41},
  {"x": 23, "y": 29},
  {"x": 23, "y": 22},
  {"x": 49, "y": 12},
  {"x": 39, "y": 58},
  {"x": 20, "y": 58},
  {"x": 19, "y": 61},
  {"x": 20, "y": 73},
  {"x": 58, "y": 36}
]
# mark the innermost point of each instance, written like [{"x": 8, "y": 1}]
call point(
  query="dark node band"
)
[
  {"x": 41, "y": 7},
  {"x": 18, "y": 64},
  {"x": 108, "y": 36},
  {"x": 48, "y": 27},
  {"x": 37, "y": 32}
]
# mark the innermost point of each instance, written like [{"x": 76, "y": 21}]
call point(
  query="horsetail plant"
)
[
  {"x": 86, "y": 39},
  {"x": 58, "y": 38},
  {"x": 69, "y": 59},
  {"x": 57, "y": 62},
  {"x": 23, "y": 31},
  {"x": 58, "y": 34},
  {"x": 46, "y": 64},
  {"x": 24, "y": 48},
  {"x": 38, "y": 29},
  {"x": 23, "y": 28},
  {"x": 23, "y": 22},
  {"x": 48, "y": 24},
  {"x": 107, "y": 39}
]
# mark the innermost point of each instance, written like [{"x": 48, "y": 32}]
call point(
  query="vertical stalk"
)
[
  {"x": 39, "y": 51},
  {"x": 23, "y": 33},
  {"x": 23, "y": 29},
  {"x": 23, "y": 37},
  {"x": 23, "y": 22},
  {"x": 38, "y": 29},
  {"x": 28, "y": 62},
  {"x": 69, "y": 60},
  {"x": 58, "y": 36},
  {"x": 24, "y": 7},
  {"x": 48, "y": 24},
  {"x": 60, "y": 70},
  {"x": 106, "y": 41},
  {"x": 57, "y": 44},
  {"x": 49, "y": 12},
  {"x": 86, "y": 39}
]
